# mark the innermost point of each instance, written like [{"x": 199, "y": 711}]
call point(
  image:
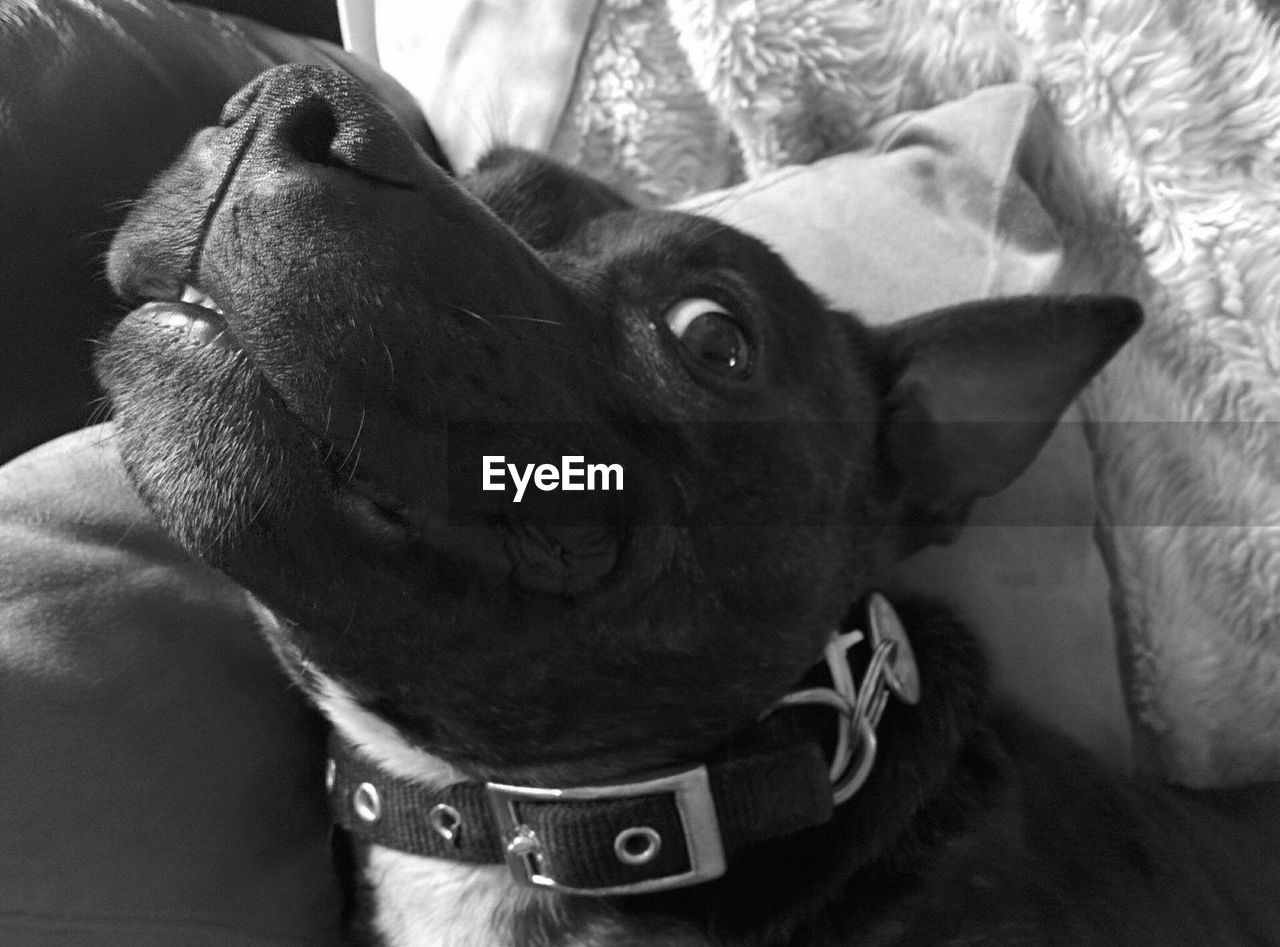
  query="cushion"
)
[{"x": 161, "y": 778}]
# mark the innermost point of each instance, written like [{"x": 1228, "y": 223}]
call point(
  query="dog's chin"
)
[
  {"x": 210, "y": 444},
  {"x": 217, "y": 455}
]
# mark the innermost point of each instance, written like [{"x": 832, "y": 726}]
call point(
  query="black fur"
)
[{"x": 376, "y": 311}]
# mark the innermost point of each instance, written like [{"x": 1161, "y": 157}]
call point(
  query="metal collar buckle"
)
[
  {"x": 891, "y": 670},
  {"x": 694, "y": 804}
]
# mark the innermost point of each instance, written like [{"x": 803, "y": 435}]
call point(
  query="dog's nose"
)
[{"x": 322, "y": 117}]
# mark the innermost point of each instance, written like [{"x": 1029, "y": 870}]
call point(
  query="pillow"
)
[{"x": 161, "y": 778}]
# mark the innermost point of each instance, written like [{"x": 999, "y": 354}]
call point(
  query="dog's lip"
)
[
  {"x": 195, "y": 313},
  {"x": 373, "y": 512},
  {"x": 201, "y": 318},
  {"x": 351, "y": 478},
  {"x": 359, "y": 496}
]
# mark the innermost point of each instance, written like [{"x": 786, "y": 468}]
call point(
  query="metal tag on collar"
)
[
  {"x": 691, "y": 790},
  {"x": 891, "y": 670},
  {"x": 900, "y": 673}
]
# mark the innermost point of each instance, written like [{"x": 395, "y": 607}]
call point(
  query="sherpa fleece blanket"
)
[
  {"x": 1158, "y": 160},
  {"x": 1161, "y": 167}
]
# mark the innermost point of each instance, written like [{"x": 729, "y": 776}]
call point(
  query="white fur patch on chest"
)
[
  {"x": 428, "y": 902},
  {"x": 421, "y": 901}
]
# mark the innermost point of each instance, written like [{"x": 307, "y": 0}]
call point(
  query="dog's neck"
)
[{"x": 885, "y": 833}]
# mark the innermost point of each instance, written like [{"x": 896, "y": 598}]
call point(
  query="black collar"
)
[{"x": 661, "y": 831}]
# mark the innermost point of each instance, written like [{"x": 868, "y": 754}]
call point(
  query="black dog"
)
[{"x": 616, "y": 692}]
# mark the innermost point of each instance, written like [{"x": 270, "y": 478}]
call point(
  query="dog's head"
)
[{"x": 361, "y": 330}]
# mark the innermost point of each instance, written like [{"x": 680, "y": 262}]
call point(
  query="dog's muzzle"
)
[{"x": 665, "y": 830}]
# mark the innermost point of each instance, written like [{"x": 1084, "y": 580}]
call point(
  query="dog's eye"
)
[{"x": 711, "y": 336}]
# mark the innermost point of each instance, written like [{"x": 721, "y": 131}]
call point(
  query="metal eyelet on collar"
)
[
  {"x": 366, "y": 803},
  {"x": 446, "y": 821},
  {"x": 637, "y": 845}
]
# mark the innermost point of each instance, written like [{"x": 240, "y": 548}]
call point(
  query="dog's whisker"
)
[
  {"x": 489, "y": 118},
  {"x": 94, "y": 236},
  {"x": 730, "y": 199},
  {"x": 124, "y": 203},
  {"x": 391, "y": 362},
  {"x": 351, "y": 621},
  {"x": 724, "y": 201},
  {"x": 100, "y": 411},
  {"x": 355, "y": 465},
  {"x": 549, "y": 322},
  {"x": 550, "y": 346},
  {"x": 718, "y": 227},
  {"x": 353, "y": 449},
  {"x": 470, "y": 312},
  {"x": 501, "y": 315},
  {"x": 257, "y": 511}
]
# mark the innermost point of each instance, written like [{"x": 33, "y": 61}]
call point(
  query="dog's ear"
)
[
  {"x": 974, "y": 391},
  {"x": 542, "y": 200}
]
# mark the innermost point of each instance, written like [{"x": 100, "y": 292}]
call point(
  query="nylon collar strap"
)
[{"x": 665, "y": 830}]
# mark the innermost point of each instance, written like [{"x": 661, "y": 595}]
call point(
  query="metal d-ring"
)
[
  {"x": 844, "y": 789},
  {"x": 860, "y": 705},
  {"x": 826, "y": 697},
  {"x": 873, "y": 694}
]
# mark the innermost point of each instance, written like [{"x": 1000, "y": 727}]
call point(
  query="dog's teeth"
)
[{"x": 192, "y": 295}]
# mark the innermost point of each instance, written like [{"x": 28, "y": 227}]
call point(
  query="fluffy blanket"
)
[{"x": 1162, "y": 170}]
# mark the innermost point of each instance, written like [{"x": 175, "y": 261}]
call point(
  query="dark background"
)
[{"x": 312, "y": 17}]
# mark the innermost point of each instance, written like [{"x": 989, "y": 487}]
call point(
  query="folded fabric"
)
[{"x": 482, "y": 72}]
